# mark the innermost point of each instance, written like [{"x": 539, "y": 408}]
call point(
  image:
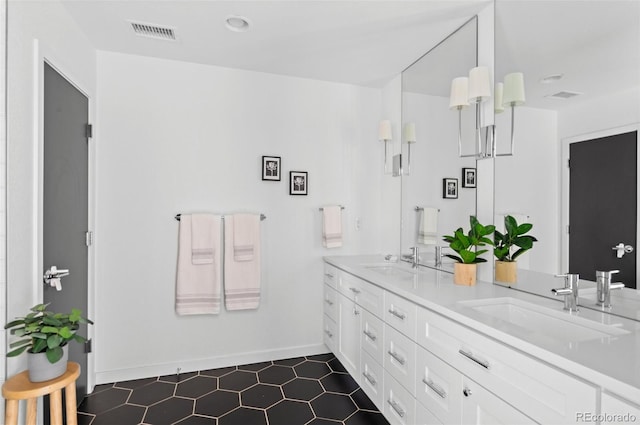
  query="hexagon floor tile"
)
[{"x": 312, "y": 390}]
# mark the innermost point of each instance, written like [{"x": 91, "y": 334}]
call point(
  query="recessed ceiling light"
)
[
  {"x": 237, "y": 23},
  {"x": 551, "y": 78}
]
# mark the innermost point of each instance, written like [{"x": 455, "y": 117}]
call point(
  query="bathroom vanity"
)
[{"x": 427, "y": 351}]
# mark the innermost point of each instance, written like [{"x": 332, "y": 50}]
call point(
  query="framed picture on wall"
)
[
  {"x": 298, "y": 183},
  {"x": 271, "y": 168},
  {"x": 450, "y": 188},
  {"x": 468, "y": 177}
]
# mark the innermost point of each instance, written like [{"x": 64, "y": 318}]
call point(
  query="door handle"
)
[
  {"x": 622, "y": 249},
  {"x": 53, "y": 275}
]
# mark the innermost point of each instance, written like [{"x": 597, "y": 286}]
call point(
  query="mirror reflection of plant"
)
[
  {"x": 466, "y": 245},
  {"x": 514, "y": 236}
]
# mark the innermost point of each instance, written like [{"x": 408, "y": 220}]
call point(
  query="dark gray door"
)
[
  {"x": 66, "y": 201},
  {"x": 602, "y": 206}
]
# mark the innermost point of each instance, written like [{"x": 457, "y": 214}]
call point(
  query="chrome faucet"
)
[
  {"x": 570, "y": 291},
  {"x": 414, "y": 257},
  {"x": 604, "y": 287}
]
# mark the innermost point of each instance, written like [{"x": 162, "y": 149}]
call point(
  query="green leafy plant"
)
[
  {"x": 45, "y": 331},
  {"x": 465, "y": 245},
  {"x": 514, "y": 237}
]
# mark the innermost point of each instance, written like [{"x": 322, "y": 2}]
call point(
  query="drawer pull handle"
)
[
  {"x": 435, "y": 387},
  {"x": 329, "y": 334},
  {"x": 369, "y": 378},
  {"x": 329, "y": 275},
  {"x": 395, "y": 406},
  {"x": 329, "y": 302},
  {"x": 371, "y": 336},
  {"x": 466, "y": 392},
  {"x": 400, "y": 316},
  {"x": 471, "y": 357},
  {"x": 398, "y": 358},
  {"x": 354, "y": 290}
]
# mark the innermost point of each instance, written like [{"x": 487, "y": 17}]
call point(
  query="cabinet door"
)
[
  {"x": 615, "y": 410},
  {"x": 480, "y": 406},
  {"x": 438, "y": 387},
  {"x": 349, "y": 335}
]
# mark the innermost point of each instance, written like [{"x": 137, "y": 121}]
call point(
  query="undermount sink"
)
[
  {"x": 555, "y": 324},
  {"x": 392, "y": 270}
]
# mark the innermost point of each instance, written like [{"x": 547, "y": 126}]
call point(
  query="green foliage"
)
[
  {"x": 465, "y": 245},
  {"x": 45, "y": 331},
  {"x": 514, "y": 236}
]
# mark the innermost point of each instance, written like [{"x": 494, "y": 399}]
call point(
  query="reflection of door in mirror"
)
[
  {"x": 434, "y": 158},
  {"x": 602, "y": 206}
]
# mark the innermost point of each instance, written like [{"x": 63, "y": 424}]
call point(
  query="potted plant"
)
[
  {"x": 510, "y": 245},
  {"x": 466, "y": 246},
  {"x": 45, "y": 337}
]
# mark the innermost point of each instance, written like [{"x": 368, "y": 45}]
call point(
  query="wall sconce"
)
[
  {"x": 512, "y": 95},
  {"x": 409, "y": 136},
  {"x": 384, "y": 135},
  {"x": 459, "y": 99}
]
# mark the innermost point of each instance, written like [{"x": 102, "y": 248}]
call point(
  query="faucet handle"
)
[
  {"x": 570, "y": 279},
  {"x": 606, "y": 273}
]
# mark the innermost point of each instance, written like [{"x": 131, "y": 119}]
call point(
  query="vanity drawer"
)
[
  {"x": 401, "y": 314},
  {"x": 371, "y": 380},
  {"x": 400, "y": 357},
  {"x": 438, "y": 387},
  {"x": 330, "y": 302},
  {"x": 399, "y": 404},
  {"x": 372, "y": 340},
  {"x": 539, "y": 390},
  {"x": 425, "y": 417},
  {"x": 365, "y": 294},
  {"x": 330, "y": 333},
  {"x": 331, "y": 275}
]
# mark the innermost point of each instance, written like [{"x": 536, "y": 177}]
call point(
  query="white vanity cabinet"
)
[
  {"x": 330, "y": 309},
  {"x": 614, "y": 409},
  {"x": 481, "y": 407}
]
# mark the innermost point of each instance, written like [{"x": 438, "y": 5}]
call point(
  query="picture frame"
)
[
  {"x": 271, "y": 166},
  {"x": 450, "y": 188},
  {"x": 469, "y": 177},
  {"x": 298, "y": 182}
]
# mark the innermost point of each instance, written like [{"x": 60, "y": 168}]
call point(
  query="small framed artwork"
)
[
  {"x": 271, "y": 168},
  {"x": 298, "y": 183},
  {"x": 450, "y": 188},
  {"x": 468, "y": 177}
]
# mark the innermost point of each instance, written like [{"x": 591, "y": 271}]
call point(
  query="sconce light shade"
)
[
  {"x": 513, "y": 89},
  {"x": 479, "y": 84},
  {"x": 459, "y": 93},
  {"x": 410, "y": 132},
  {"x": 384, "y": 131},
  {"x": 498, "y": 106}
]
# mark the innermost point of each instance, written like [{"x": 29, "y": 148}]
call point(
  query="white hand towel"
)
[
  {"x": 202, "y": 235},
  {"x": 197, "y": 285},
  {"x": 246, "y": 231},
  {"x": 241, "y": 278},
  {"x": 332, "y": 226},
  {"x": 428, "y": 229}
]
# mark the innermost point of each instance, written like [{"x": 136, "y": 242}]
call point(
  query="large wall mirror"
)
[
  {"x": 581, "y": 66},
  {"x": 436, "y": 198}
]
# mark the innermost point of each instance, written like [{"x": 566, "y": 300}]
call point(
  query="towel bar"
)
[
  {"x": 322, "y": 209},
  {"x": 262, "y": 217},
  {"x": 422, "y": 209}
]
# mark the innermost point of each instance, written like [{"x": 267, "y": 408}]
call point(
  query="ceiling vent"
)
[
  {"x": 153, "y": 31},
  {"x": 564, "y": 95}
]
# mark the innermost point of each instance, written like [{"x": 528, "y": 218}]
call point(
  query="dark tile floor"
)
[{"x": 313, "y": 390}]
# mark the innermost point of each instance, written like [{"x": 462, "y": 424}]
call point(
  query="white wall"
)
[{"x": 176, "y": 137}]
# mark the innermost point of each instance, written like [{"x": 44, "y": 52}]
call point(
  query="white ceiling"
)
[{"x": 364, "y": 42}]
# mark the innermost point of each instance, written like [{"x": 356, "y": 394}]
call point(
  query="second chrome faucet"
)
[{"x": 570, "y": 291}]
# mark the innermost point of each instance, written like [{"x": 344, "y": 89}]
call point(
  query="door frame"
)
[
  {"x": 564, "y": 204},
  {"x": 42, "y": 55}
]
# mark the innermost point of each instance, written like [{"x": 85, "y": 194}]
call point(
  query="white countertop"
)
[{"x": 612, "y": 362}]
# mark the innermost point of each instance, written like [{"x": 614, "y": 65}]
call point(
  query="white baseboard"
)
[{"x": 120, "y": 375}]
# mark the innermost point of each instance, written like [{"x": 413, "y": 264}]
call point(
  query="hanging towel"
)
[
  {"x": 332, "y": 226},
  {"x": 198, "y": 284},
  {"x": 241, "y": 278},
  {"x": 246, "y": 231},
  {"x": 428, "y": 229},
  {"x": 202, "y": 235}
]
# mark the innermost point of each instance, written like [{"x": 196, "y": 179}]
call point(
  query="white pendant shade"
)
[
  {"x": 513, "y": 89},
  {"x": 459, "y": 93},
  {"x": 479, "y": 84},
  {"x": 384, "y": 131},
  {"x": 410, "y": 132},
  {"x": 498, "y": 106}
]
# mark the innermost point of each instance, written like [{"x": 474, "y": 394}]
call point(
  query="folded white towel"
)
[
  {"x": 332, "y": 226},
  {"x": 241, "y": 278},
  {"x": 202, "y": 235},
  {"x": 197, "y": 285},
  {"x": 428, "y": 229},
  {"x": 246, "y": 231}
]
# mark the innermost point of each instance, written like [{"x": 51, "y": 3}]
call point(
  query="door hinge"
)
[
  {"x": 568, "y": 229},
  {"x": 89, "y": 131},
  {"x": 569, "y": 163},
  {"x": 87, "y": 346},
  {"x": 89, "y": 238}
]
